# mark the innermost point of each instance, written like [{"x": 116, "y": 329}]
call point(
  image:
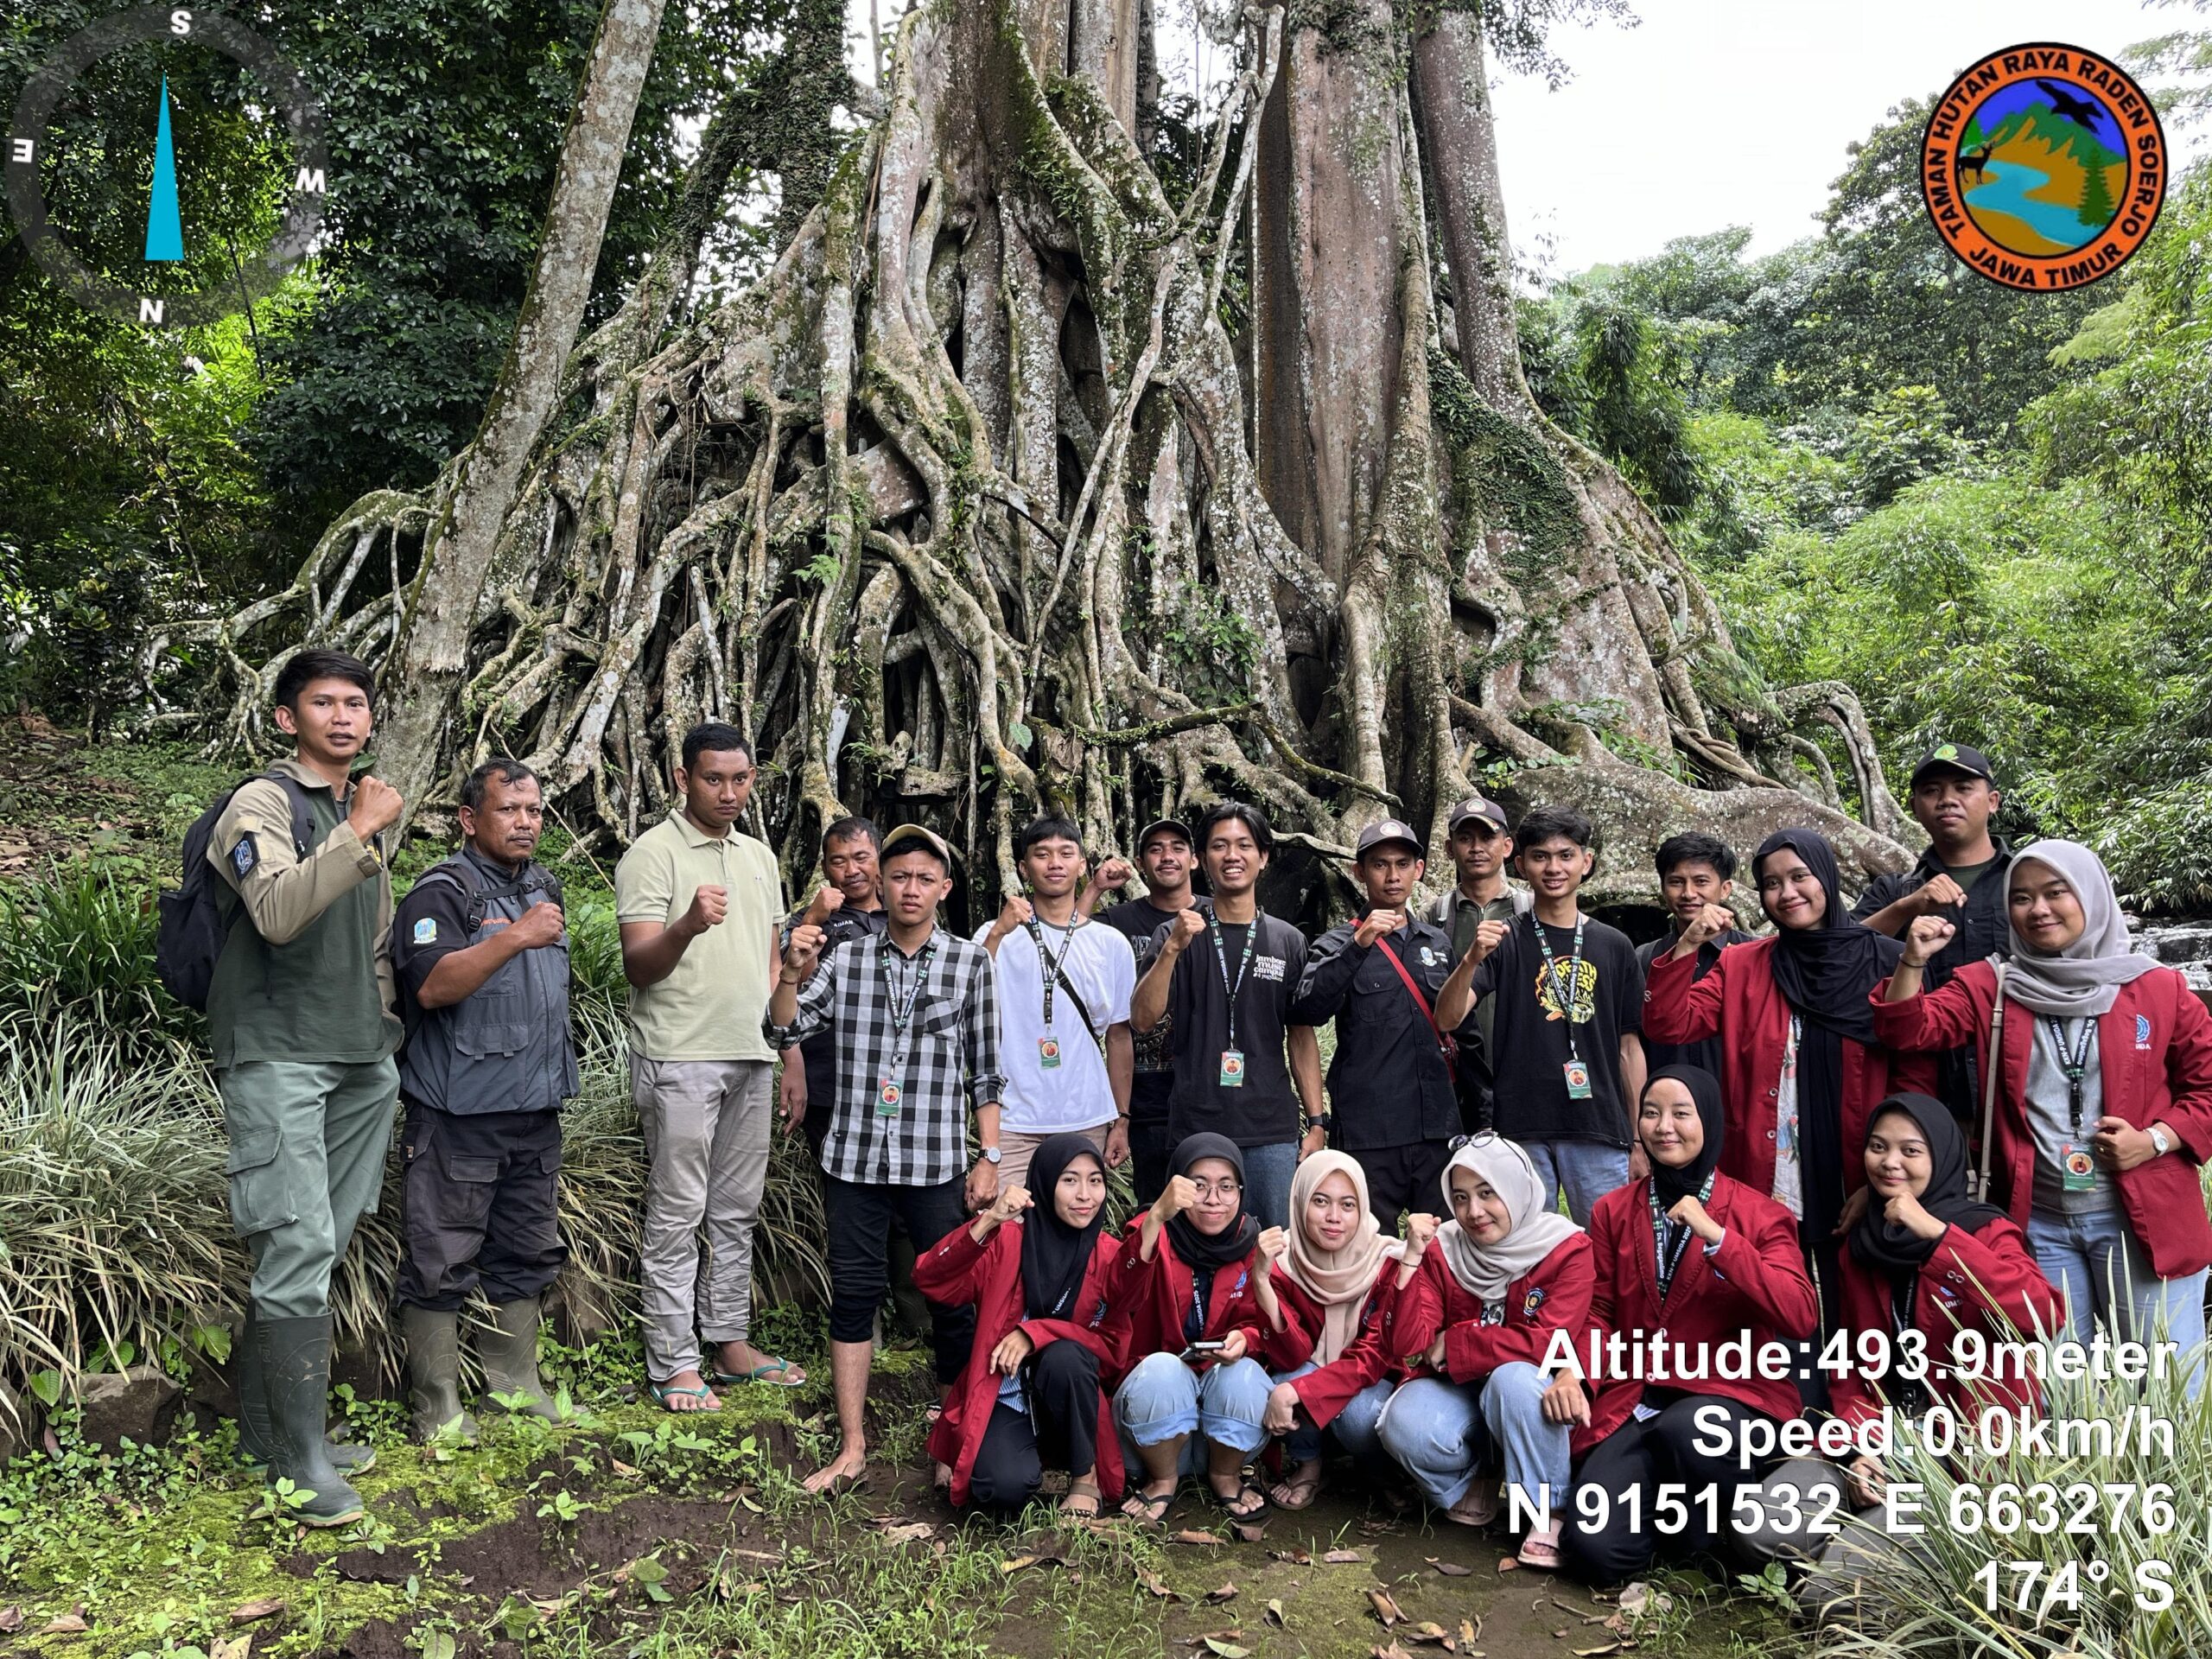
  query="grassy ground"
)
[{"x": 628, "y": 1531}]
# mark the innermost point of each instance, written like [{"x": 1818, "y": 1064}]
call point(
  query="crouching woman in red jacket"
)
[
  {"x": 1204, "y": 1329},
  {"x": 1039, "y": 1274},
  {"x": 1695, "y": 1259}
]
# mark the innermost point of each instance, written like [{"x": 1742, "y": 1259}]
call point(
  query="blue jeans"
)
[
  {"x": 1353, "y": 1427},
  {"x": 1267, "y": 1174},
  {"x": 1585, "y": 1169},
  {"x": 2101, "y": 1269},
  {"x": 1162, "y": 1397},
  {"x": 1446, "y": 1433}
]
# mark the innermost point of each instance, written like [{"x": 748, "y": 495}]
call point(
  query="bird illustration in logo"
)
[{"x": 2070, "y": 105}]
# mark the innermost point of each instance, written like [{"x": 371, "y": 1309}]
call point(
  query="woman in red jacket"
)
[
  {"x": 1506, "y": 1276},
  {"x": 1803, "y": 1069},
  {"x": 1202, "y": 1316},
  {"x": 1340, "y": 1279},
  {"x": 1040, "y": 1283},
  {"x": 2104, "y": 1098},
  {"x": 1742, "y": 1283}
]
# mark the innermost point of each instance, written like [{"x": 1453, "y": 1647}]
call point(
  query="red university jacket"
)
[
  {"x": 1373, "y": 1352},
  {"x": 1552, "y": 1296},
  {"x": 1151, "y": 1297}
]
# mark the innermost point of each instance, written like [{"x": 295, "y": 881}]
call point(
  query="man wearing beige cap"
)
[{"x": 1482, "y": 848}]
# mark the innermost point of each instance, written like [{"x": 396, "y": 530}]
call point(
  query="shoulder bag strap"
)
[
  {"x": 1994, "y": 1069},
  {"x": 1420, "y": 1002}
]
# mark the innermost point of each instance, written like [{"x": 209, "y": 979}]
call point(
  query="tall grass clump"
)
[
  {"x": 2078, "y": 1593},
  {"x": 77, "y": 946}
]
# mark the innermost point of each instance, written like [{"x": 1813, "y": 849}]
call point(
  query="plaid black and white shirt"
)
[{"x": 952, "y": 1051}]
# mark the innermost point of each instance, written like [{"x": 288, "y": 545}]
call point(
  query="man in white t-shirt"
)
[{"x": 1064, "y": 985}]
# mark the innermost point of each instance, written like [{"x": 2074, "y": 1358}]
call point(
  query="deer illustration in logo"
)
[{"x": 1971, "y": 160}]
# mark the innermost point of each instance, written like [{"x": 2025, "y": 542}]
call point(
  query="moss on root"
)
[{"x": 1504, "y": 476}]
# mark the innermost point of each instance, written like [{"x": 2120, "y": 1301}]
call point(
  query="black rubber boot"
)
[
  {"x": 433, "y": 1338},
  {"x": 255, "y": 1436},
  {"x": 508, "y": 1352},
  {"x": 295, "y": 1372}
]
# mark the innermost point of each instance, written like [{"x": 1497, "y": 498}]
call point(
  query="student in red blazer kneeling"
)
[
  {"x": 1037, "y": 1391},
  {"x": 1695, "y": 1259}
]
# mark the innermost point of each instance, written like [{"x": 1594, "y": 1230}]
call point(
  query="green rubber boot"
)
[
  {"x": 508, "y": 1352},
  {"x": 295, "y": 1372},
  {"x": 432, "y": 1336},
  {"x": 255, "y": 1436}
]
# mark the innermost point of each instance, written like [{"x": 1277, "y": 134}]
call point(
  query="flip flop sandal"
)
[
  {"x": 1540, "y": 1550},
  {"x": 759, "y": 1374},
  {"x": 1478, "y": 1508},
  {"x": 1236, "y": 1509},
  {"x": 1090, "y": 1514},
  {"x": 663, "y": 1392},
  {"x": 1152, "y": 1508},
  {"x": 1297, "y": 1494}
]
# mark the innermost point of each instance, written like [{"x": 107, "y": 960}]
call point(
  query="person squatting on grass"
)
[
  {"x": 301, "y": 1018},
  {"x": 480, "y": 949},
  {"x": 1037, "y": 1391}
]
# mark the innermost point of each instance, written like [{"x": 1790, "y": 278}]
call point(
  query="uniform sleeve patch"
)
[
  {"x": 426, "y": 931},
  {"x": 244, "y": 856}
]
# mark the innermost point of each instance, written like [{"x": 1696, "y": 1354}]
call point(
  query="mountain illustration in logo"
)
[{"x": 2041, "y": 166}]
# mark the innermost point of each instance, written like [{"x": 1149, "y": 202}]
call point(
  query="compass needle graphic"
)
[{"x": 164, "y": 230}]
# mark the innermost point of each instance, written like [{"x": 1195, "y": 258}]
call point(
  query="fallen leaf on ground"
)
[
  {"x": 67, "y": 1625},
  {"x": 1340, "y": 1556},
  {"x": 1227, "y": 1592},
  {"x": 1471, "y": 1629},
  {"x": 11, "y": 1620},
  {"x": 1393, "y": 1651},
  {"x": 911, "y": 1532},
  {"x": 1427, "y": 1630},
  {"x": 1249, "y": 1532},
  {"x": 1295, "y": 1557},
  {"x": 236, "y": 1646},
  {"x": 1385, "y": 1608},
  {"x": 1158, "y": 1586},
  {"x": 1191, "y": 1535},
  {"x": 1275, "y": 1611},
  {"x": 1592, "y": 1653},
  {"x": 1015, "y": 1564},
  {"x": 755, "y": 1555},
  {"x": 628, "y": 1472},
  {"x": 254, "y": 1609},
  {"x": 1227, "y": 1650},
  {"x": 1449, "y": 1569},
  {"x": 1509, "y": 1565}
]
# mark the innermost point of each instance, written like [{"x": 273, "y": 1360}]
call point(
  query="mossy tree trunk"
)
[{"x": 1021, "y": 480}]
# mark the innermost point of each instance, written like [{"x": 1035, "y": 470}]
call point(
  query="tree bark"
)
[{"x": 423, "y": 670}]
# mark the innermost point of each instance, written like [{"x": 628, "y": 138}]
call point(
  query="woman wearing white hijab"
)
[
  {"x": 1339, "y": 1278},
  {"x": 1505, "y": 1276},
  {"x": 2104, "y": 1098}
]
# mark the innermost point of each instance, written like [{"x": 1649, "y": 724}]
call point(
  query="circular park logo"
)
[
  {"x": 2043, "y": 167},
  {"x": 94, "y": 125}
]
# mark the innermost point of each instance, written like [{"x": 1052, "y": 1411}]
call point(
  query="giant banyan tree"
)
[{"x": 1033, "y": 473}]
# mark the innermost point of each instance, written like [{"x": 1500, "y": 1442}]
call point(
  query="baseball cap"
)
[
  {"x": 1384, "y": 829},
  {"x": 1958, "y": 757},
  {"x": 1158, "y": 824},
  {"x": 1477, "y": 806},
  {"x": 907, "y": 833}
]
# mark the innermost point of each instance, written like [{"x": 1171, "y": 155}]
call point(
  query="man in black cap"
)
[
  {"x": 1165, "y": 860},
  {"x": 1960, "y": 878},
  {"x": 1393, "y": 1103},
  {"x": 1482, "y": 847}
]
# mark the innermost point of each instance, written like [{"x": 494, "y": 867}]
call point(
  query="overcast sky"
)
[{"x": 1758, "y": 99}]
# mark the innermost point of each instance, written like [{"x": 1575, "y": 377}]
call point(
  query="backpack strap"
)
[
  {"x": 1980, "y": 1182},
  {"x": 1448, "y": 1046},
  {"x": 303, "y": 811}
]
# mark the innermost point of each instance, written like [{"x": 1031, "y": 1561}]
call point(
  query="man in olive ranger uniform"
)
[
  {"x": 482, "y": 961},
  {"x": 300, "y": 1013}
]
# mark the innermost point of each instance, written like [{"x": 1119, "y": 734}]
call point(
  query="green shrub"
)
[{"x": 78, "y": 947}]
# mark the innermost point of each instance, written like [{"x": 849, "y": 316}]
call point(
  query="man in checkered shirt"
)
[{"x": 914, "y": 1016}]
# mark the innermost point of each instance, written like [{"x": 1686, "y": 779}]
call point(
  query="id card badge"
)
[
  {"x": 1578, "y": 1079},
  {"x": 1232, "y": 1068},
  {"x": 2077, "y": 1169},
  {"x": 1048, "y": 1052},
  {"x": 888, "y": 1094}
]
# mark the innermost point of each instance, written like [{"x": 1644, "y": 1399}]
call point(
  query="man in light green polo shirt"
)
[{"x": 697, "y": 903}]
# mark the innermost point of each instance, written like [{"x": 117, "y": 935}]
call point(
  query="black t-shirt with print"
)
[
  {"x": 1263, "y": 1111},
  {"x": 1530, "y": 1055}
]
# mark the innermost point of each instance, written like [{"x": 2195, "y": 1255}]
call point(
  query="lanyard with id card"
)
[
  {"x": 1232, "y": 1058},
  {"x": 2077, "y": 1167},
  {"x": 1048, "y": 1045},
  {"x": 891, "y": 1091},
  {"x": 1575, "y": 1068}
]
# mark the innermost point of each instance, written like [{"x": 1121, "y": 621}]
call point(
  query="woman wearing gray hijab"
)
[{"x": 2103, "y": 1107}]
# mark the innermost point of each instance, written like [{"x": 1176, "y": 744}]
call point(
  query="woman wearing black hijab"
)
[
  {"x": 1793, "y": 1011},
  {"x": 1204, "y": 1332},
  {"x": 1039, "y": 1271},
  {"x": 1693, "y": 1259}
]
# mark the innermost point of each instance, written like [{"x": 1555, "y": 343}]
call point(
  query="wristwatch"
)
[
  {"x": 1324, "y": 1121},
  {"x": 2158, "y": 1140},
  {"x": 991, "y": 1154}
]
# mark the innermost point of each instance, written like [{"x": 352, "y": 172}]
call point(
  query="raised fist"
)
[
  {"x": 539, "y": 925},
  {"x": 1926, "y": 937},
  {"x": 1376, "y": 923},
  {"x": 1705, "y": 927},
  {"x": 1115, "y": 872},
  {"x": 1017, "y": 914},
  {"x": 1010, "y": 1203},
  {"x": 803, "y": 950},
  {"x": 708, "y": 906},
  {"x": 1421, "y": 1230},
  {"x": 1189, "y": 924},
  {"x": 1488, "y": 937},
  {"x": 1273, "y": 1242},
  {"x": 1939, "y": 893},
  {"x": 827, "y": 901},
  {"x": 375, "y": 807},
  {"x": 1180, "y": 1194}
]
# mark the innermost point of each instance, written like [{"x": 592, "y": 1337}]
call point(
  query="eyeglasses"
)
[
  {"x": 1217, "y": 1189},
  {"x": 1483, "y": 1138}
]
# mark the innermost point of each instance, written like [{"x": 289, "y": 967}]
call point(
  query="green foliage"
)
[
  {"x": 1503, "y": 475},
  {"x": 1616, "y": 378},
  {"x": 77, "y": 948}
]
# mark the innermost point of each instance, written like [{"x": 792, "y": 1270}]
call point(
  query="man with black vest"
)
[
  {"x": 1962, "y": 878},
  {"x": 300, "y": 1019},
  {"x": 480, "y": 949}
]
